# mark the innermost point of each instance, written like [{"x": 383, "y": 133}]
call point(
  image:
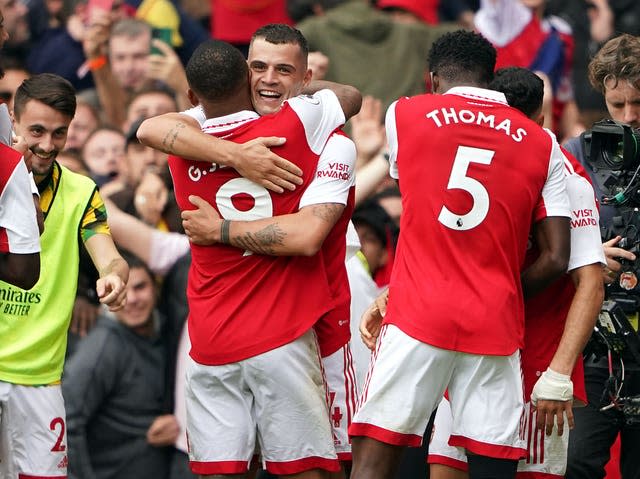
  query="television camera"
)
[{"x": 613, "y": 153}]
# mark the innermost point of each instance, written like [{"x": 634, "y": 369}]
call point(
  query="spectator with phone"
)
[
  {"x": 163, "y": 34},
  {"x": 122, "y": 62},
  {"x": 186, "y": 31},
  {"x": 165, "y": 66}
]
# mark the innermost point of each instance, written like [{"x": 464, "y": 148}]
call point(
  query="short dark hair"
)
[
  {"x": 463, "y": 56},
  {"x": 99, "y": 129},
  {"x": 523, "y": 88},
  {"x": 280, "y": 34},
  {"x": 48, "y": 88},
  {"x": 370, "y": 213},
  {"x": 150, "y": 87},
  {"x": 217, "y": 70}
]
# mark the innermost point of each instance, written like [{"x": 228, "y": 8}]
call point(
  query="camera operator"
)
[{"x": 615, "y": 72}]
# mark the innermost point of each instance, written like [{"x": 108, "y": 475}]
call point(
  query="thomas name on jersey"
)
[{"x": 451, "y": 116}]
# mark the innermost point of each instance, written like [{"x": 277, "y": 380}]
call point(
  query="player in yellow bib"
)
[{"x": 34, "y": 323}]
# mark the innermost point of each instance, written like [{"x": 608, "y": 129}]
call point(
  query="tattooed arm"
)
[
  {"x": 179, "y": 134},
  {"x": 297, "y": 234}
]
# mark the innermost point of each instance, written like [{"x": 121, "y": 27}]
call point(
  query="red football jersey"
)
[
  {"x": 545, "y": 313},
  {"x": 333, "y": 329},
  {"x": 18, "y": 224},
  {"x": 473, "y": 173},
  {"x": 243, "y": 304}
]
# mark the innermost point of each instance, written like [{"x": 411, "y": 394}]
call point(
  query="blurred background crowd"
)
[{"x": 126, "y": 60}]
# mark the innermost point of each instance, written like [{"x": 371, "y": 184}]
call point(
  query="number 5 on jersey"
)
[{"x": 459, "y": 180}]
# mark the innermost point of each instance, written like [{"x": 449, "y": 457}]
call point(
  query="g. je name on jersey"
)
[
  {"x": 452, "y": 116},
  {"x": 197, "y": 172}
]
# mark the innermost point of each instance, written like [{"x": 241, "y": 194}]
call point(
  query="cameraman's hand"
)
[{"x": 613, "y": 254}]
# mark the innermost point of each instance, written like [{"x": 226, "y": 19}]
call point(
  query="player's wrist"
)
[
  {"x": 224, "y": 231},
  {"x": 556, "y": 376},
  {"x": 229, "y": 154},
  {"x": 553, "y": 386}
]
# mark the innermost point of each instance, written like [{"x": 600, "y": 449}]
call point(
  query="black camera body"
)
[
  {"x": 626, "y": 224},
  {"x": 614, "y": 332},
  {"x": 613, "y": 151},
  {"x": 614, "y": 146},
  {"x": 613, "y": 154}
]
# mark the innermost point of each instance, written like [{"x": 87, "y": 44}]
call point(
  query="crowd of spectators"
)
[{"x": 126, "y": 60}]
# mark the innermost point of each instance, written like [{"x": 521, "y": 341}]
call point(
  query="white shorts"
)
[
  {"x": 33, "y": 436},
  {"x": 343, "y": 394},
  {"x": 278, "y": 396},
  {"x": 546, "y": 455},
  {"x": 407, "y": 379}
]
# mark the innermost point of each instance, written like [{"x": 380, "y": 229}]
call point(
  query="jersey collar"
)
[
  {"x": 476, "y": 93},
  {"x": 227, "y": 122}
]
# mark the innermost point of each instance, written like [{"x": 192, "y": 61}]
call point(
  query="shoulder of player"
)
[
  {"x": 338, "y": 152},
  {"x": 9, "y": 165},
  {"x": 579, "y": 185},
  {"x": 313, "y": 100},
  {"x": 10, "y": 157},
  {"x": 572, "y": 166},
  {"x": 339, "y": 139}
]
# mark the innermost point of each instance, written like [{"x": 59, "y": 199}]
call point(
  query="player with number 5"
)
[{"x": 474, "y": 173}]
